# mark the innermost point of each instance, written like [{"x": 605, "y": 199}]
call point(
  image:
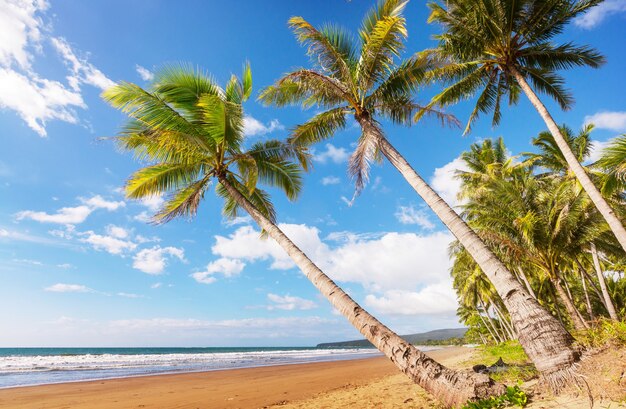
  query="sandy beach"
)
[{"x": 284, "y": 386}]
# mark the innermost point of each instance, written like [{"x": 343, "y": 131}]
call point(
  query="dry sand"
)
[{"x": 238, "y": 388}]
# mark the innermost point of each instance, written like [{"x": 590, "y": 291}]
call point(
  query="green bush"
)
[{"x": 514, "y": 396}]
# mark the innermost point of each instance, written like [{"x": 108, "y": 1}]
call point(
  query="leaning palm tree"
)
[
  {"x": 364, "y": 82},
  {"x": 496, "y": 47},
  {"x": 192, "y": 131}
]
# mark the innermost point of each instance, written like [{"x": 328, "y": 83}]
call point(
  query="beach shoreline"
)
[{"x": 256, "y": 387}]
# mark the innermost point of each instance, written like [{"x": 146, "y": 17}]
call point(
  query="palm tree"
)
[
  {"x": 495, "y": 47},
  {"x": 192, "y": 130},
  {"x": 551, "y": 158},
  {"x": 613, "y": 161},
  {"x": 364, "y": 82}
]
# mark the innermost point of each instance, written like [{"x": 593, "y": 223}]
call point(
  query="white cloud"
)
[
  {"x": 68, "y": 288},
  {"x": 83, "y": 72},
  {"x": 330, "y": 180},
  {"x": 153, "y": 260},
  {"x": 614, "y": 121},
  {"x": 65, "y": 215},
  {"x": 130, "y": 295},
  {"x": 98, "y": 202},
  {"x": 117, "y": 232},
  {"x": 37, "y": 100},
  {"x": 598, "y": 13},
  {"x": 156, "y": 285},
  {"x": 110, "y": 244},
  {"x": 437, "y": 298},
  {"x": 34, "y": 98},
  {"x": 411, "y": 215},
  {"x": 289, "y": 303},
  {"x": 70, "y": 215},
  {"x": 446, "y": 184},
  {"x": 254, "y": 127},
  {"x": 384, "y": 262},
  {"x": 237, "y": 221},
  {"x": 143, "y": 217},
  {"x": 226, "y": 266},
  {"x": 144, "y": 73},
  {"x": 332, "y": 153},
  {"x": 65, "y": 266},
  {"x": 28, "y": 261},
  {"x": 153, "y": 203},
  {"x": 596, "y": 150},
  {"x": 20, "y": 31}
]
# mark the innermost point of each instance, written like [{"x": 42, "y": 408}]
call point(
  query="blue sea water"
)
[{"x": 36, "y": 366}]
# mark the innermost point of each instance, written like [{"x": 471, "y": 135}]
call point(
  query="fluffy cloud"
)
[
  {"x": 98, "y": 202},
  {"x": 144, "y": 73},
  {"x": 289, "y": 303},
  {"x": 596, "y": 150},
  {"x": 411, "y": 215},
  {"x": 153, "y": 260},
  {"x": 614, "y": 121},
  {"x": 437, "y": 298},
  {"x": 117, "y": 232},
  {"x": 153, "y": 203},
  {"x": 380, "y": 263},
  {"x": 110, "y": 244},
  {"x": 600, "y": 12},
  {"x": 20, "y": 31},
  {"x": 446, "y": 184},
  {"x": 68, "y": 288},
  {"x": 254, "y": 127},
  {"x": 225, "y": 266},
  {"x": 34, "y": 98},
  {"x": 332, "y": 153},
  {"x": 82, "y": 71},
  {"x": 71, "y": 215},
  {"x": 330, "y": 180},
  {"x": 65, "y": 215},
  {"x": 37, "y": 100}
]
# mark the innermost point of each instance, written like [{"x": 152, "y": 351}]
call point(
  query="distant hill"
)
[{"x": 422, "y": 338}]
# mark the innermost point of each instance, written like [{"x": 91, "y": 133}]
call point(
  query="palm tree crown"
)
[
  {"x": 358, "y": 78},
  {"x": 486, "y": 41},
  {"x": 191, "y": 130}
]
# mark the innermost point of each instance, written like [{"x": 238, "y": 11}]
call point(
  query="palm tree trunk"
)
[
  {"x": 496, "y": 339},
  {"x": 594, "y": 194},
  {"x": 526, "y": 282},
  {"x": 499, "y": 337},
  {"x": 605, "y": 292},
  {"x": 451, "y": 387},
  {"x": 505, "y": 322},
  {"x": 593, "y": 284},
  {"x": 571, "y": 298},
  {"x": 579, "y": 325},
  {"x": 546, "y": 342},
  {"x": 587, "y": 300}
]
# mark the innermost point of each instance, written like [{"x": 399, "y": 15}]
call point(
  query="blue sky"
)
[{"x": 80, "y": 266}]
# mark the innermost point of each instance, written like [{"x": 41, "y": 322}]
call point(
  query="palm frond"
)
[{"x": 320, "y": 127}]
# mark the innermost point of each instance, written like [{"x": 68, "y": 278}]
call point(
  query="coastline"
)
[{"x": 232, "y": 388}]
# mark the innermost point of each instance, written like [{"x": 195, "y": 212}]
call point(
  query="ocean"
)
[{"x": 37, "y": 366}]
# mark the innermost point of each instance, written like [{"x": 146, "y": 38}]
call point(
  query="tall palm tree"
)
[
  {"x": 495, "y": 47},
  {"x": 364, "y": 82},
  {"x": 552, "y": 159},
  {"x": 192, "y": 131}
]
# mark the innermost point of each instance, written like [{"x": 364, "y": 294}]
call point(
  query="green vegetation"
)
[
  {"x": 513, "y": 396},
  {"x": 605, "y": 332},
  {"x": 519, "y": 368}
]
